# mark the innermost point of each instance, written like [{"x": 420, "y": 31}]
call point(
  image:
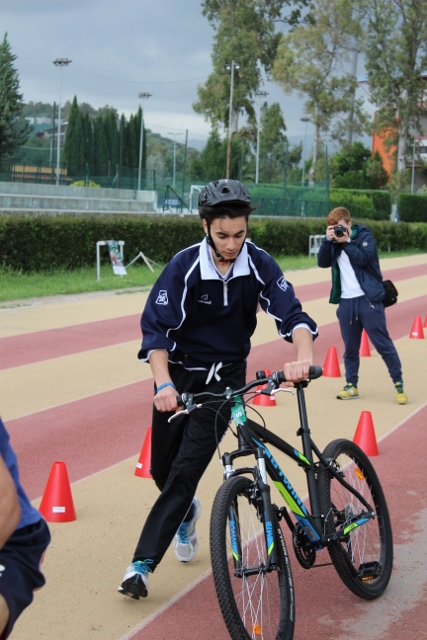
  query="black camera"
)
[{"x": 340, "y": 230}]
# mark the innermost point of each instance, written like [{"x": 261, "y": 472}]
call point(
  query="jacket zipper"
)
[{"x": 225, "y": 296}]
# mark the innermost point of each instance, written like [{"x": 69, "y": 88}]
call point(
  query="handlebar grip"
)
[
  {"x": 314, "y": 372},
  {"x": 183, "y": 398},
  {"x": 180, "y": 401}
]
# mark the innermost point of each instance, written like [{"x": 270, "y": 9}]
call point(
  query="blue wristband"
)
[{"x": 165, "y": 384}]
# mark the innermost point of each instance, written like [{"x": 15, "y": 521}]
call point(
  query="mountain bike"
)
[{"x": 346, "y": 514}]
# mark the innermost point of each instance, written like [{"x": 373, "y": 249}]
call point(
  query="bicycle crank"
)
[{"x": 304, "y": 551}]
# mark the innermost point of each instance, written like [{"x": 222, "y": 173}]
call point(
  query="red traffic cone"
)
[
  {"x": 365, "y": 350},
  {"x": 261, "y": 399},
  {"x": 331, "y": 367},
  {"x": 142, "y": 468},
  {"x": 417, "y": 331},
  {"x": 364, "y": 436},
  {"x": 57, "y": 502},
  {"x": 425, "y": 323}
]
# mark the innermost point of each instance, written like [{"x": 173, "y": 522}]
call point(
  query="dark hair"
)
[{"x": 224, "y": 199}]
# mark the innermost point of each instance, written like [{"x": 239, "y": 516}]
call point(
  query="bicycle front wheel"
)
[
  {"x": 363, "y": 557},
  {"x": 256, "y": 601}
]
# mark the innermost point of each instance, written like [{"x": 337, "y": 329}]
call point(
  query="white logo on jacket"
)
[
  {"x": 162, "y": 298},
  {"x": 204, "y": 299},
  {"x": 282, "y": 283}
]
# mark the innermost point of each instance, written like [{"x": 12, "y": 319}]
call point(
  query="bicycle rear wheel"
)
[
  {"x": 256, "y": 603},
  {"x": 364, "y": 557}
]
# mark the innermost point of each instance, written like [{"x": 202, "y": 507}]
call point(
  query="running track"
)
[{"x": 323, "y": 605}]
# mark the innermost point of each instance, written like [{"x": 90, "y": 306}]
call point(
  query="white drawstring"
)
[{"x": 213, "y": 371}]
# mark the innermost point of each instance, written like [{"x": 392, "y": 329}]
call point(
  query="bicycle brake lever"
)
[
  {"x": 284, "y": 389},
  {"x": 183, "y": 412}
]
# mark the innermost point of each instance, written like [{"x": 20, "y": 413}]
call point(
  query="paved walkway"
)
[{"x": 71, "y": 389}]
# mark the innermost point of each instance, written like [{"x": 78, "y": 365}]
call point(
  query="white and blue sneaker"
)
[
  {"x": 135, "y": 580},
  {"x": 186, "y": 540}
]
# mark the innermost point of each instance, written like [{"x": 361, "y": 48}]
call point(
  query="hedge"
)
[
  {"x": 369, "y": 204},
  {"x": 412, "y": 207},
  {"x": 38, "y": 243}
]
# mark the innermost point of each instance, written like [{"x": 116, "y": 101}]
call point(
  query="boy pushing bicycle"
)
[{"x": 197, "y": 327}]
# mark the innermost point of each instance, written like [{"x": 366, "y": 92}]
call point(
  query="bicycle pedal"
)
[{"x": 369, "y": 571}]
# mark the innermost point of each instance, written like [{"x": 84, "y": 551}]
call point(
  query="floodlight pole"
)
[
  {"x": 259, "y": 94},
  {"x": 230, "y": 67},
  {"x": 171, "y": 133},
  {"x": 413, "y": 165},
  {"x": 305, "y": 120},
  {"x": 59, "y": 62},
  {"x": 141, "y": 136}
]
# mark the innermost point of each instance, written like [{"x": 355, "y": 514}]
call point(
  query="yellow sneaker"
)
[
  {"x": 401, "y": 397},
  {"x": 348, "y": 393}
]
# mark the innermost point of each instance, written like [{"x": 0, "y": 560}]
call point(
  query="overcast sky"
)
[{"x": 119, "y": 49}]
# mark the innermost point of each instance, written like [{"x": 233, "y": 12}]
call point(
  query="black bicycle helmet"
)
[{"x": 220, "y": 191}]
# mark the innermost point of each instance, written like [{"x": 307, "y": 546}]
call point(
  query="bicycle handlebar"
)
[{"x": 273, "y": 381}]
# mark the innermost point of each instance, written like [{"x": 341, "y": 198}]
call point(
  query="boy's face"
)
[{"x": 228, "y": 235}]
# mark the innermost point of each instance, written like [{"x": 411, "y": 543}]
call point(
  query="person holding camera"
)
[{"x": 351, "y": 252}]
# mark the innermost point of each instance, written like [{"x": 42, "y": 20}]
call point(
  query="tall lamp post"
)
[
  {"x": 141, "y": 136},
  {"x": 306, "y": 120},
  {"x": 59, "y": 62},
  {"x": 230, "y": 67},
  {"x": 171, "y": 133},
  {"x": 259, "y": 94}
]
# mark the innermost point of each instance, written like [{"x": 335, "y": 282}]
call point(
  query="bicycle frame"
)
[{"x": 252, "y": 440}]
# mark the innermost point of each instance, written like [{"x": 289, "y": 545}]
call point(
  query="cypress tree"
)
[{"x": 14, "y": 128}]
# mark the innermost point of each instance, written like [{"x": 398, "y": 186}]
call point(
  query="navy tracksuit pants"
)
[
  {"x": 180, "y": 453},
  {"x": 354, "y": 315}
]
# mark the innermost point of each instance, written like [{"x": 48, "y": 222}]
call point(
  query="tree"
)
[
  {"x": 354, "y": 168},
  {"x": 313, "y": 60},
  {"x": 376, "y": 175},
  {"x": 110, "y": 121},
  {"x": 245, "y": 34},
  {"x": 395, "y": 48},
  {"x": 273, "y": 144},
  {"x": 74, "y": 143},
  {"x": 14, "y": 128},
  {"x": 211, "y": 162}
]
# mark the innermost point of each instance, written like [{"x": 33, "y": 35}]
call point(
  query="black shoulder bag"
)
[{"x": 391, "y": 293}]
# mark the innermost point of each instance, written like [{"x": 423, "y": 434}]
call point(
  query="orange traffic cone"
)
[
  {"x": 417, "y": 329},
  {"x": 331, "y": 367},
  {"x": 364, "y": 436},
  {"x": 142, "y": 468},
  {"x": 261, "y": 399},
  {"x": 57, "y": 502},
  {"x": 365, "y": 350}
]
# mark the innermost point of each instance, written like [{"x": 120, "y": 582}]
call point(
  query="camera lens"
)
[{"x": 339, "y": 231}]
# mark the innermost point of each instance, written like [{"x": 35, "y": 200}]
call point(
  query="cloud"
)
[{"x": 119, "y": 49}]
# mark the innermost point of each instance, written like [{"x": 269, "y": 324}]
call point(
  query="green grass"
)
[{"x": 20, "y": 286}]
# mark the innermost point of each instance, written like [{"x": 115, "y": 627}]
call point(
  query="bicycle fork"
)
[{"x": 261, "y": 498}]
